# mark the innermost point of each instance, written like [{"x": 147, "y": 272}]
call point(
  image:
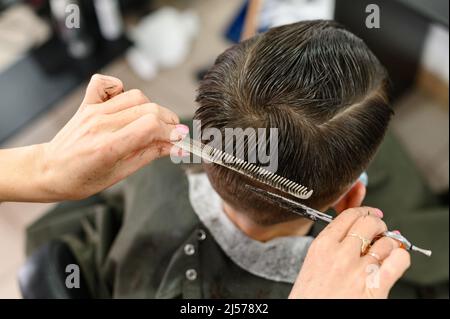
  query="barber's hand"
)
[
  {"x": 113, "y": 134},
  {"x": 334, "y": 267}
]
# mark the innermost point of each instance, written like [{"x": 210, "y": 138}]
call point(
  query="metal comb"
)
[{"x": 253, "y": 171}]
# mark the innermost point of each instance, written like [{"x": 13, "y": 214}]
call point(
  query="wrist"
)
[
  {"x": 34, "y": 177},
  {"x": 41, "y": 180},
  {"x": 22, "y": 174}
]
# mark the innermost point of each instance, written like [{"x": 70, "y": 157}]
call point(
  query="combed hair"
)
[{"x": 323, "y": 89}]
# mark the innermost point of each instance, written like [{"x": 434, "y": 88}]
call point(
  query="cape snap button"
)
[
  {"x": 189, "y": 249},
  {"x": 191, "y": 274},
  {"x": 201, "y": 235}
]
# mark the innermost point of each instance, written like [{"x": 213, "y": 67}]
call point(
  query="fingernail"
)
[
  {"x": 179, "y": 133},
  {"x": 182, "y": 129},
  {"x": 379, "y": 213},
  {"x": 179, "y": 152},
  {"x": 397, "y": 232},
  {"x": 183, "y": 153}
]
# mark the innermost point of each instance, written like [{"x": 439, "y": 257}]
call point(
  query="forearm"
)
[
  {"x": 21, "y": 175},
  {"x": 111, "y": 136}
]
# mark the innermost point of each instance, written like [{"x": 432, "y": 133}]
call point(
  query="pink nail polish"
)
[
  {"x": 184, "y": 153},
  {"x": 379, "y": 213},
  {"x": 178, "y": 152},
  {"x": 182, "y": 129},
  {"x": 397, "y": 232}
]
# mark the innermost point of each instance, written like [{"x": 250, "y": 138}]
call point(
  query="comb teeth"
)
[{"x": 253, "y": 171}]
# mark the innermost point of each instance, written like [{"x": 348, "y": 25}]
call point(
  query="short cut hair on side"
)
[{"x": 324, "y": 90}]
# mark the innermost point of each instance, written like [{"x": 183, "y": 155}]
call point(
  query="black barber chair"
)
[{"x": 43, "y": 276}]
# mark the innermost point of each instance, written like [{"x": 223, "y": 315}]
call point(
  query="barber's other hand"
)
[
  {"x": 334, "y": 267},
  {"x": 113, "y": 134}
]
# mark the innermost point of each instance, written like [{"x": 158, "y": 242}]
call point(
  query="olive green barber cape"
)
[{"x": 133, "y": 244}]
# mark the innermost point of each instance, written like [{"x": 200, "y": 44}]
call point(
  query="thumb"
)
[
  {"x": 392, "y": 269},
  {"x": 101, "y": 88}
]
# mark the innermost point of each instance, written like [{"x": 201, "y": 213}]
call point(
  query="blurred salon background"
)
[{"x": 50, "y": 48}]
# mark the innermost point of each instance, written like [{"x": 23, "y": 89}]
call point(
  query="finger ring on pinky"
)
[
  {"x": 365, "y": 243},
  {"x": 376, "y": 256}
]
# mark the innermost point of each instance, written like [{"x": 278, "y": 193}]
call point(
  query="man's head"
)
[{"x": 323, "y": 89}]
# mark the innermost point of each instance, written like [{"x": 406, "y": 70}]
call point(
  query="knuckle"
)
[
  {"x": 135, "y": 92},
  {"x": 147, "y": 132},
  {"x": 152, "y": 108},
  {"x": 371, "y": 211},
  {"x": 155, "y": 108},
  {"x": 153, "y": 123},
  {"x": 138, "y": 95},
  {"x": 96, "y": 77},
  {"x": 118, "y": 81},
  {"x": 136, "y": 110},
  {"x": 355, "y": 211},
  {"x": 351, "y": 212},
  {"x": 381, "y": 247},
  {"x": 374, "y": 222},
  {"x": 370, "y": 220},
  {"x": 391, "y": 243},
  {"x": 384, "y": 243}
]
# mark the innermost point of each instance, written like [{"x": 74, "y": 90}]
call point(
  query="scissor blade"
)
[{"x": 291, "y": 205}]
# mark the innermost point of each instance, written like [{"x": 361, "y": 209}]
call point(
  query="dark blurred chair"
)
[{"x": 43, "y": 276}]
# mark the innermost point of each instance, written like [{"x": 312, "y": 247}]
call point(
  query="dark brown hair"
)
[{"x": 323, "y": 89}]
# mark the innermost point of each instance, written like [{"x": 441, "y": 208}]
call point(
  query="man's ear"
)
[{"x": 353, "y": 198}]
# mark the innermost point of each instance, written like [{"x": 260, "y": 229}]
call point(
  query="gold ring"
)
[
  {"x": 375, "y": 255},
  {"x": 365, "y": 243}
]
